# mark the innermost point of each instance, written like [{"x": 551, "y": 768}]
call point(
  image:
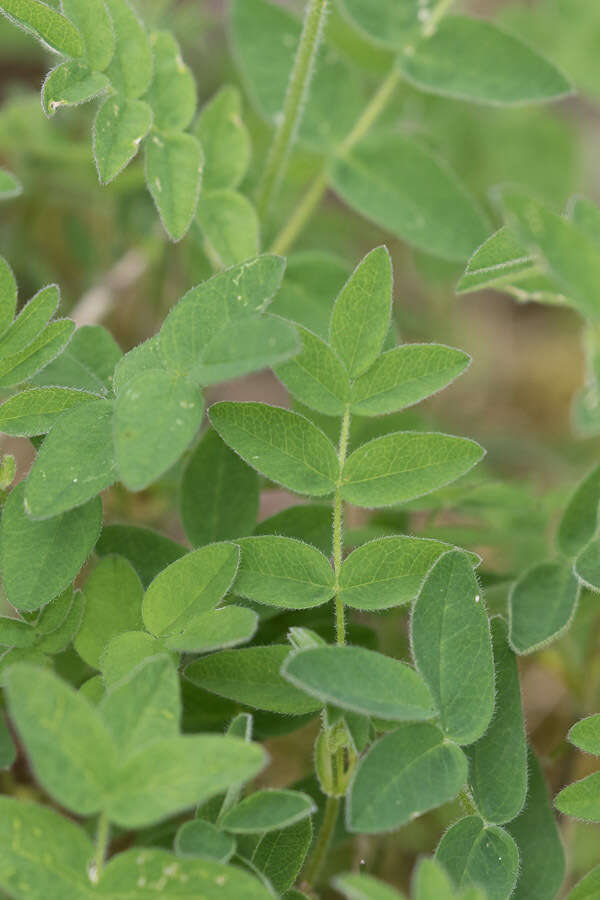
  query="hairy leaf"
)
[
  {"x": 119, "y": 127},
  {"x": 475, "y": 853},
  {"x": 230, "y": 224},
  {"x": 35, "y": 411},
  {"x": 172, "y": 93},
  {"x": 267, "y": 811},
  {"x": 224, "y": 139},
  {"x": 279, "y": 571},
  {"x": 579, "y": 521},
  {"x": 280, "y": 854},
  {"x": 70, "y": 84},
  {"x": 204, "y": 840},
  {"x": 541, "y": 605},
  {"x": 95, "y": 25},
  {"x": 316, "y": 376},
  {"x": 130, "y": 69},
  {"x": 174, "y": 164},
  {"x": 46, "y": 24}
]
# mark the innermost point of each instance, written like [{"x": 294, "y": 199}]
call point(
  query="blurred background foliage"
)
[{"x": 106, "y": 249}]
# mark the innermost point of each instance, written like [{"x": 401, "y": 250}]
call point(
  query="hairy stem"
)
[
  {"x": 338, "y": 530},
  {"x": 102, "y": 836},
  {"x": 295, "y": 97},
  {"x": 315, "y": 863}
]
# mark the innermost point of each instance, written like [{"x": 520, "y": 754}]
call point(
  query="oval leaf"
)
[
  {"x": 541, "y": 605},
  {"x": 279, "y": 571}
]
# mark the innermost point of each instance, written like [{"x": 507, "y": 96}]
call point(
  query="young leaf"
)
[
  {"x": 156, "y": 418},
  {"x": 316, "y": 376},
  {"x": 280, "y": 854},
  {"x": 204, "y": 840},
  {"x": 541, "y": 853},
  {"x": 386, "y": 177},
  {"x": 224, "y": 139},
  {"x": 387, "y": 571},
  {"x": 86, "y": 364},
  {"x": 130, "y": 69},
  {"x": 365, "y": 887},
  {"x": 70, "y": 84},
  {"x": 407, "y": 772},
  {"x": 405, "y": 376},
  {"x": 119, "y": 127},
  {"x": 144, "y": 706},
  {"x": 496, "y": 68},
  {"x": 312, "y": 280},
  {"x": 279, "y": 571},
  {"x": 174, "y": 164},
  {"x": 31, "y": 321},
  {"x": 148, "y": 551},
  {"x": 171, "y": 774},
  {"x": 35, "y": 411},
  {"x": 44, "y": 850},
  {"x": 362, "y": 681},
  {"x": 125, "y": 652},
  {"x": 451, "y": 646},
  {"x": 75, "y": 462},
  {"x": 172, "y": 93},
  {"x": 229, "y": 223},
  {"x": 474, "y": 853},
  {"x": 498, "y": 760},
  {"x": 113, "y": 599},
  {"x": 36, "y": 355},
  {"x": 40, "y": 559},
  {"x": 281, "y": 444},
  {"x": 252, "y": 676},
  {"x": 206, "y": 309},
  {"x": 8, "y": 296},
  {"x": 404, "y": 465},
  {"x": 219, "y": 493},
  {"x": 214, "y": 630},
  {"x": 361, "y": 316},
  {"x": 46, "y": 24},
  {"x": 71, "y": 751},
  {"x": 96, "y": 28},
  {"x": 501, "y": 260},
  {"x": 541, "y": 605},
  {"x": 581, "y": 799},
  {"x": 579, "y": 521},
  {"x": 267, "y": 811},
  {"x": 189, "y": 587}
]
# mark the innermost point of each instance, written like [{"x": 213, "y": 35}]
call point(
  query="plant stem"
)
[
  {"x": 437, "y": 13},
  {"x": 315, "y": 864},
  {"x": 313, "y": 196},
  {"x": 338, "y": 530},
  {"x": 295, "y": 97},
  {"x": 102, "y": 835}
]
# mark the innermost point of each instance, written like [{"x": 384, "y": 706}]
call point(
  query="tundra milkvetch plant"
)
[{"x": 140, "y": 675}]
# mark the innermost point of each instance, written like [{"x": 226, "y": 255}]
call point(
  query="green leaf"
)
[
  {"x": 96, "y": 28},
  {"x": 125, "y": 652},
  {"x": 10, "y": 186},
  {"x": 144, "y": 706},
  {"x": 36, "y": 355},
  {"x": 308, "y": 522},
  {"x": 71, "y": 752},
  {"x": 70, "y": 84},
  {"x": 156, "y": 418},
  {"x": 174, "y": 164},
  {"x": 361, "y": 315},
  {"x": 16, "y": 633},
  {"x": 541, "y": 853},
  {"x": 362, "y": 681},
  {"x": 206, "y": 309},
  {"x": 541, "y": 605},
  {"x": 268, "y": 810},
  {"x": 451, "y": 646},
  {"x": 113, "y": 599},
  {"x": 498, "y": 760},
  {"x": 229, "y": 223},
  {"x": 203, "y": 839},
  {"x": 53, "y": 615},
  {"x": 31, "y": 321},
  {"x": 40, "y": 559},
  {"x": 395, "y": 182},
  {"x": 8, "y": 751},
  {"x": 75, "y": 462},
  {"x": 365, "y": 887},
  {"x": 501, "y": 260},
  {"x": 46, "y": 24},
  {"x": 405, "y": 376},
  {"x": 139, "y": 359},
  {"x": 565, "y": 253},
  {"x": 404, "y": 774},
  {"x": 281, "y": 444},
  {"x": 581, "y": 799},
  {"x": 214, "y": 630},
  {"x": 279, "y": 571},
  {"x": 312, "y": 281},
  {"x": 280, "y": 854},
  {"x": 219, "y": 493},
  {"x": 474, "y": 853},
  {"x": 588, "y": 887},
  {"x": 245, "y": 345},
  {"x": 495, "y": 67},
  {"x": 265, "y": 37},
  {"x": 35, "y": 411},
  {"x": 171, "y": 774},
  {"x": 44, "y": 851},
  {"x": 431, "y": 881},
  {"x": 8, "y": 296},
  {"x": 130, "y": 69},
  {"x": 189, "y": 587},
  {"x": 148, "y": 551},
  {"x": 135, "y": 873},
  {"x": 119, "y": 127},
  {"x": 387, "y": 22},
  {"x": 59, "y": 640},
  {"x": 224, "y": 139},
  {"x": 87, "y": 363},
  {"x": 252, "y": 676},
  {"x": 172, "y": 93},
  {"x": 316, "y": 376},
  {"x": 579, "y": 521},
  {"x": 586, "y": 215},
  {"x": 585, "y": 734},
  {"x": 387, "y": 571},
  {"x": 404, "y": 465},
  {"x": 587, "y": 565}
]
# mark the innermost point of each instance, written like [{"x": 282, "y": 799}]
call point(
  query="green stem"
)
[
  {"x": 338, "y": 530},
  {"x": 295, "y": 97},
  {"x": 102, "y": 835},
  {"x": 372, "y": 111},
  {"x": 437, "y": 13},
  {"x": 315, "y": 864}
]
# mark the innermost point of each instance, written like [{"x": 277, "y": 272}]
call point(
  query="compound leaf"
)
[
  {"x": 316, "y": 376},
  {"x": 35, "y": 411}
]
